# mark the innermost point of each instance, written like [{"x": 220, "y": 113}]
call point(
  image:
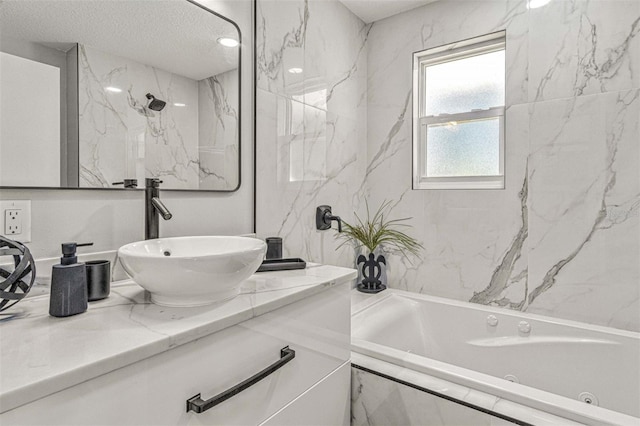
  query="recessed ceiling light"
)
[
  {"x": 178, "y": 104},
  {"x": 295, "y": 70},
  {"x": 534, "y": 4},
  {"x": 228, "y": 42},
  {"x": 113, "y": 89}
]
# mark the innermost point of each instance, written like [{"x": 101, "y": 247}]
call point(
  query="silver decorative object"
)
[{"x": 15, "y": 285}]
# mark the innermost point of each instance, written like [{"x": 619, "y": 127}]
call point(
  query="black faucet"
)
[
  {"x": 153, "y": 208},
  {"x": 324, "y": 218}
]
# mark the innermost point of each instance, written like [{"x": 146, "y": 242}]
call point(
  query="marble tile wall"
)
[
  {"x": 563, "y": 238},
  {"x": 121, "y": 138},
  {"x": 311, "y": 125},
  {"x": 218, "y": 131},
  {"x": 379, "y": 401},
  {"x": 191, "y": 145}
]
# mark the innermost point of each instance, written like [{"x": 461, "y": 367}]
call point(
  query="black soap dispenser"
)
[{"x": 68, "y": 284}]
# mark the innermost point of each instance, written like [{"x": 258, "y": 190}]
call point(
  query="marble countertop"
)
[{"x": 40, "y": 354}]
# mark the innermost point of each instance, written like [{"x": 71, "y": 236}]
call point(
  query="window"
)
[{"x": 458, "y": 123}]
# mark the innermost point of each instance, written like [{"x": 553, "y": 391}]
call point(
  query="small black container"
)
[
  {"x": 274, "y": 248},
  {"x": 98, "y": 279}
]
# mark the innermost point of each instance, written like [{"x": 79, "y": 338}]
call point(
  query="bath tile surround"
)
[
  {"x": 379, "y": 401},
  {"x": 561, "y": 239},
  {"x": 310, "y": 122},
  {"x": 195, "y": 134}
]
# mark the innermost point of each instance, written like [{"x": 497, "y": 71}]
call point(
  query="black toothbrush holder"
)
[
  {"x": 98, "y": 279},
  {"x": 274, "y": 248}
]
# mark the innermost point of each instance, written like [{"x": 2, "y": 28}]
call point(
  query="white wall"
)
[
  {"x": 113, "y": 218},
  {"x": 29, "y": 123}
]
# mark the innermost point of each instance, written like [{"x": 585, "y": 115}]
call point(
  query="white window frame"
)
[{"x": 421, "y": 60}]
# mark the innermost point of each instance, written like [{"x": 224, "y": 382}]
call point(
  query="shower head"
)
[{"x": 155, "y": 104}]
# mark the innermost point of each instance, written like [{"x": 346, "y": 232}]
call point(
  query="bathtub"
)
[{"x": 537, "y": 368}]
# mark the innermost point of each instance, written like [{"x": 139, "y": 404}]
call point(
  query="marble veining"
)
[
  {"x": 591, "y": 221},
  {"x": 192, "y": 143},
  {"x": 49, "y": 354},
  {"x": 582, "y": 47},
  {"x": 120, "y": 137},
  {"x": 218, "y": 131},
  {"x": 501, "y": 275},
  {"x": 561, "y": 239},
  {"x": 391, "y": 145},
  {"x": 311, "y": 125},
  {"x": 271, "y": 45},
  {"x": 378, "y": 401}
]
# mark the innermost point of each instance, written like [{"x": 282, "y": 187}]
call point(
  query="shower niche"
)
[{"x": 97, "y": 92}]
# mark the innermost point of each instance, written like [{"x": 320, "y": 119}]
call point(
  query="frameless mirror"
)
[{"x": 95, "y": 92}]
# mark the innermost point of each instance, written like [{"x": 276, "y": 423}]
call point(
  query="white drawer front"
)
[{"x": 154, "y": 391}]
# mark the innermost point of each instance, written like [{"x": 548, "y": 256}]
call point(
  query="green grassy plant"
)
[{"x": 379, "y": 231}]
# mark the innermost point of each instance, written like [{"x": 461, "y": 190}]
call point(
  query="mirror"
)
[{"x": 94, "y": 92}]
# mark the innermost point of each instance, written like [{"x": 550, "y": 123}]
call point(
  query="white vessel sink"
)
[{"x": 192, "y": 271}]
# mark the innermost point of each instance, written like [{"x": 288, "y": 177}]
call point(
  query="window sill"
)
[{"x": 460, "y": 184}]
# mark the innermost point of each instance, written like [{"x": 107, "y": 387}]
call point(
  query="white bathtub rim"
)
[
  {"x": 543, "y": 400},
  {"x": 557, "y": 405},
  {"x": 486, "y": 401},
  {"x": 373, "y": 299}
]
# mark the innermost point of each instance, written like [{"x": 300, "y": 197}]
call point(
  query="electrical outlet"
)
[
  {"x": 16, "y": 218},
  {"x": 13, "y": 221}
]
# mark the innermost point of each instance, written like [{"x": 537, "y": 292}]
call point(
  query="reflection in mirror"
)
[{"x": 95, "y": 92}]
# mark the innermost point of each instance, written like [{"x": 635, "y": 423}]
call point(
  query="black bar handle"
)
[{"x": 198, "y": 405}]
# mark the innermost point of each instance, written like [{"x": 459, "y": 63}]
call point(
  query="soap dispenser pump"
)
[{"x": 68, "y": 284}]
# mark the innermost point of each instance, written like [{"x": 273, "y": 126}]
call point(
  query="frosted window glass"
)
[
  {"x": 465, "y": 84},
  {"x": 470, "y": 148}
]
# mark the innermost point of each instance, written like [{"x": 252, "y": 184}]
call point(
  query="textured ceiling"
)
[
  {"x": 173, "y": 35},
  {"x": 374, "y": 10}
]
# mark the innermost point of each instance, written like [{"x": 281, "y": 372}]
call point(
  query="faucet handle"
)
[
  {"x": 324, "y": 217},
  {"x": 128, "y": 183},
  {"x": 152, "y": 182}
]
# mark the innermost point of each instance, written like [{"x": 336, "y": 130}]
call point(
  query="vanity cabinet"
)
[{"x": 312, "y": 388}]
